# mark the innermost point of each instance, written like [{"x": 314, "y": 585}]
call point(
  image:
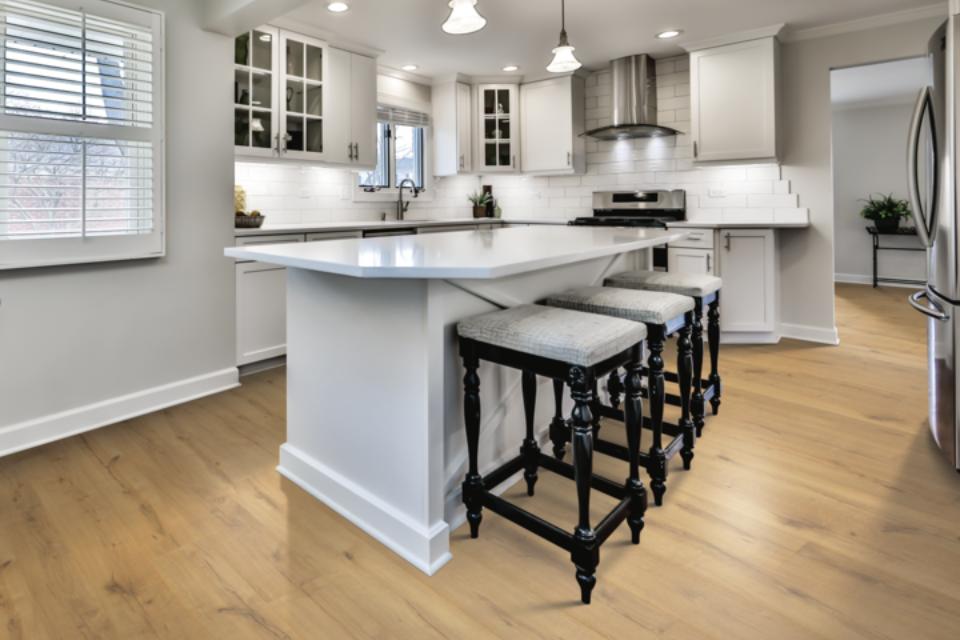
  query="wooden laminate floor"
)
[{"x": 817, "y": 508}]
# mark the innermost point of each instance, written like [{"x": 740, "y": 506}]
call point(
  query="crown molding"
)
[
  {"x": 400, "y": 74},
  {"x": 874, "y": 22},
  {"x": 329, "y": 37},
  {"x": 733, "y": 38}
]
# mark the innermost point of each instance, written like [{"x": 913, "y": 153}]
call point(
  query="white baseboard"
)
[
  {"x": 38, "y": 431},
  {"x": 750, "y": 337},
  {"x": 856, "y": 278},
  {"x": 810, "y": 333},
  {"x": 427, "y": 548}
]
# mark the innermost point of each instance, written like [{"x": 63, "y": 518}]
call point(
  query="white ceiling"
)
[
  {"x": 887, "y": 83},
  {"x": 523, "y": 31}
]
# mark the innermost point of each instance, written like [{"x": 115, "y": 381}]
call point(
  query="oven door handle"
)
[{"x": 931, "y": 309}]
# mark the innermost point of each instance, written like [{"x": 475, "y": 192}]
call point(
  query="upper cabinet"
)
[
  {"x": 351, "y": 109},
  {"x": 734, "y": 101},
  {"x": 498, "y": 128},
  {"x": 452, "y": 129},
  {"x": 296, "y": 98},
  {"x": 254, "y": 92},
  {"x": 302, "y": 61},
  {"x": 552, "y": 119}
]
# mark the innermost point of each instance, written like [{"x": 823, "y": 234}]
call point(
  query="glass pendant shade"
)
[
  {"x": 463, "y": 18},
  {"x": 563, "y": 60}
]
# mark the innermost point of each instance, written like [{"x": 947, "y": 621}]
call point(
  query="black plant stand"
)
[{"x": 877, "y": 247}]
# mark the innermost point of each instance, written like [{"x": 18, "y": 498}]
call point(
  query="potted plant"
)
[
  {"x": 480, "y": 202},
  {"x": 885, "y": 212}
]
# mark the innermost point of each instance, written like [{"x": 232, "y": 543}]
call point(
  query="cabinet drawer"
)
[
  {"x": 699, "y": 261},
  {"x": 252, "y": 241},
  {"x": 320, "y": 236},
  {"x": 698, "y": 239}
]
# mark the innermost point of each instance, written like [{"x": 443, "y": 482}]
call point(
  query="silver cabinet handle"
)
[
  {"x": 726, "y": 244},
  {"x": 926, "y": 225},
  {"x": 356, "y": 151},
  {"x": 694, "y": 148},
  {"x": 513, "y": 161},
  {"x": 709, "y": 268},
  {"x": 569, "y": 158},
  {"x": 462, "y": 163},
  {"x": 350, "y": 151},
  {"x": 931, "y": 309}
]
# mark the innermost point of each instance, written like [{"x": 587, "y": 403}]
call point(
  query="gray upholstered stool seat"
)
[
  {"x": 572, "y": 337},
  {"x": 650, "y": 307},
  {"x": 695, "y": 285}
]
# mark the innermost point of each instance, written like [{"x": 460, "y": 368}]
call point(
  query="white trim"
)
[
  {"x": 749, "y": 337},
  {"x": 856, "y": 278},
  {"x": 874, "y": 22},
  {"x": 810, "y": 333},
  {"x": 771, "y": 31},
  {"x": 38, "y": 431},
  {"x": 330, "y": 38},
  {"x": 427, "y": 548}
]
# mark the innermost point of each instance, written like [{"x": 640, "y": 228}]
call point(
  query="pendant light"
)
[
  {"x": 463, "y": 18},
  {"x": 563, "y": 59}
]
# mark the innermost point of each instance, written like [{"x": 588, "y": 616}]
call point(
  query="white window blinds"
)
[
  {"x": 81, "y": 136},
  {"x": 400, "y": 116}
]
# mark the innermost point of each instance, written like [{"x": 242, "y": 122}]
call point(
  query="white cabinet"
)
[
  {"x": 498, "y": 124},
  {"x": 261, "y": 312},
  {"x": 255, "y": 86},
  {"x": 352, "y": 109},
  {"x": 700, "y": 261},
  {"x": 552, "y": 121},
  {"x": 452, "y": 129},
  {"x": 734, "y": 101},
  {"x": 748, "y": 265},
  {"x": 296, "y": 98}
]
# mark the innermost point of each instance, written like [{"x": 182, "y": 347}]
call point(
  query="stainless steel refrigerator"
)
[{"x": 932, "y": 177}]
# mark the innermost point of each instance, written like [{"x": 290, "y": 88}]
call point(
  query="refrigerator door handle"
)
[
  {"x": 926, "y": 225},
  {"x": 931, "y": 309}
]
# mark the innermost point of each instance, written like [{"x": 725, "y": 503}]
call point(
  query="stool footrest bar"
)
[
  {"x": 528, "y": 521},
  {"x": 601, "y": 484}
]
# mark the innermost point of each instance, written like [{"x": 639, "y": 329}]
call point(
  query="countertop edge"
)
[{"x": 363, "y": 225}]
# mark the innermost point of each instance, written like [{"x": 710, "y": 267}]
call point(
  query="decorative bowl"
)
[{"x": 248, "y": 222}]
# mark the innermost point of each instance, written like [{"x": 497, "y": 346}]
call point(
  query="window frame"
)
[
  {"x": 363, "y": 193},
  {"x": 44, "y": 252}
]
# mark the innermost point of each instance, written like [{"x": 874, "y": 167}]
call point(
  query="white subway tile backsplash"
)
[{"x": 780, "y": 201}]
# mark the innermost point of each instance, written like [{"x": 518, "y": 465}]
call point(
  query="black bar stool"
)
[
  {"x": 705, "y": 291},
  {"x": 664, "y": 315},
  {"x": 561, "y": 345}
]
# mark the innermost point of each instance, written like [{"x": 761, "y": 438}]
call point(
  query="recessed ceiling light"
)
[
  {"x": 409, "y": 67},
  {"x": 337, "y": 7},
  {"x": 669, "y": 33},
  {"x": 511, "y": 67}
]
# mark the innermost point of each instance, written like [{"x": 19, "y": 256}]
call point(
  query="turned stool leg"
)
[
  {"x": 657, "y": 459},
  {"x": 614, "y": 388},
  {"x": 585, "y": 553},
  {"x": 697, "y": 404},
  {"x": 684, "y": 370},
  {"x": 473, "y": 484},
  {"x": 558, "y": 427},
  {"x": 634, "y": 415},
  {"x": 713, "y": 334},
  {"x": 530, "y": 450},
  {"x": 595, "y": 409}
]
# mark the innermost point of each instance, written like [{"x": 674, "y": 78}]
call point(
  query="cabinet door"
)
[
  {"x": 499, "y": 139},
  {"x": 363, "y": 110},
  {"x": 699, "y": 261},
  {"x": 336, "y": 101},
  {"x": 255, "y": 85},
  {"x": 748, "y": 268},
  {"x": 303, "y": 66},
  {"x": 261, "y": 312},
  {"x": 733, "y": 101},
  {"x": 546, "y": 109},
  {"x": 464, "y": 126}
]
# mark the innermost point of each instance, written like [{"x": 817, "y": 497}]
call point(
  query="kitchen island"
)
[{"x": 374, "y": 424}]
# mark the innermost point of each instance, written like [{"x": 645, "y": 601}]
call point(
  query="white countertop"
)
[
  {"x": 738, "y": 225},
  {"x": 365, "y": 225},
  {"x": 484, "y": 254}
]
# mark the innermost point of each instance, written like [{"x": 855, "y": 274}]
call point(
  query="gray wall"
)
[
  {"x": 74, "y": 336},
  {"x": 869, "y": 157},
  {"x": 806, "y": 256}
]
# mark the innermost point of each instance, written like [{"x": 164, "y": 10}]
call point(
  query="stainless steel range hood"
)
[{"x": 634, "y": 103}]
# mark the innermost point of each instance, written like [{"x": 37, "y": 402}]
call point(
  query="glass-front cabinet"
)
[
  {"x": 278, "y": 94},
  {"x": 498, "y": 127},
  {"x": 254, "y": 90},
  {"x": 301, "y": 108}
]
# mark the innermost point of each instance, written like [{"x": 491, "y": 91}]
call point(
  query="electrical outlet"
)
[{"x": 717, "y": 192}]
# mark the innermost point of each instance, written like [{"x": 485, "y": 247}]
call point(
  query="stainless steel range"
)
[
  {"x": 655, "y": 208},
  {"x": 636, "y": 209}
]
